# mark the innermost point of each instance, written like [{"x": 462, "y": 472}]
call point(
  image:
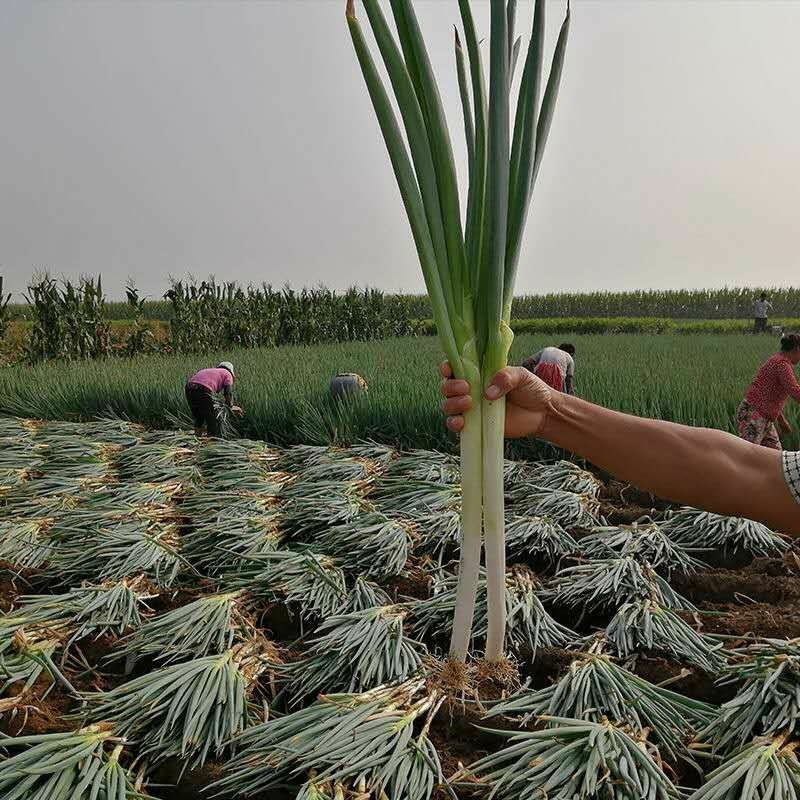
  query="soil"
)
[
  {"x": 414, "y": 583},
  {"x": 623, "y": 504},
  {"x": 39, "y": 711},
  {"x": 765, "y": 580},
  {"x": 13, "y": 583}
]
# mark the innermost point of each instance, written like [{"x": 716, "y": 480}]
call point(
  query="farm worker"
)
[
  {"x": 761, "y": 308},
  {"x": 763, "y": 404},
  {"x": 200, "y": 390},
  {"x": 555, "y": 366},
  {"x": 701, "y": 467}
]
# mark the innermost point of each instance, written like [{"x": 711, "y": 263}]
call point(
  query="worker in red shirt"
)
[
  {"x": 555, "y": 366},
  {"x": 762, "y": 406},
  {"x": 200, "y": 390}
]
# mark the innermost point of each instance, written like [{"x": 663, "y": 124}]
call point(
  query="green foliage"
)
[
  {"x": 607, "y": 584},
  {"x": 768, "y": 768},
  {"x": 208, "y": 315},
  {"x": 695, "y": 380},
  {"x": 190, "y": 710},
  {"x": 575, "y": 760},
  {"x": 67, "y": 766},
  {"x": 767, "y": 701},
  {"x": 643, "y": 626},
  {"x": 355, "y": 652},
  {"x": 69, "y": 321},
  {"x": 529, "y": 625},
  {"x": 204, "y": 627},
  {"x": 140, "y": 338},
  {"x": 594, "y": 688},
  {"x": 693, "y": 527},
  {"x": 342, "y": 738},
  {"x": 646, "y": 543}
]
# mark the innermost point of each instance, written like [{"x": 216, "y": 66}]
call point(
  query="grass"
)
[{"x": 698, "y": 380}]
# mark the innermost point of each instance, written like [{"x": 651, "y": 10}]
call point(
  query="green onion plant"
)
[
  {"x": 575, "y": 760},
  {"x": 469, "y": 263}
]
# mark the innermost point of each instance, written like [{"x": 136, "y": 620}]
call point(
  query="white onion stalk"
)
[{"x": 469, "y": 266}]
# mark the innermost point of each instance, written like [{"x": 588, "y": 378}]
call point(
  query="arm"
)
[
  {"x": 788, "y": 380},
  {"x": 228, "y": 394},
  {"x": 570, "y": 380},
  {"x": 694, "y": 466}
]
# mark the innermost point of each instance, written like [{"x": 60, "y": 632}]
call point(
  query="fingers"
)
[
  {"x": 455, "y": 424},
  {"x": 457, "y": 405},
  {"x": 454, "y": 388},
  {"x": 505, "y": 381}
]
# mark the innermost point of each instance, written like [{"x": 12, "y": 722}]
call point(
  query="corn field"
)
[
  {"x": 69, "y": 321},
  {"x": 177, "y": 611},
  {"x": 677, "y": 304},
  {"x": 209, "y": 315}
]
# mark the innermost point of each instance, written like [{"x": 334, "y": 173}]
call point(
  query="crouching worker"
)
[
  {"x": 200, "y": 390},
  {"x": 555, "y": 366}
]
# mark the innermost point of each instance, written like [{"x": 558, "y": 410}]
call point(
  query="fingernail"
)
[{"x": 493, "y": 392}]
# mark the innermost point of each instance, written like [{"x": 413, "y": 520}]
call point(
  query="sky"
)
[{"x": 153, "y": 139}]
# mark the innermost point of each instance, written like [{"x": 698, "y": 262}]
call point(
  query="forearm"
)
[
  {"x": 693, "y": 466},
  {"x": 228, "y": 395}
]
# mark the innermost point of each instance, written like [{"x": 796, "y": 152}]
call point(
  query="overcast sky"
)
[{"x": 146, "y": 139}]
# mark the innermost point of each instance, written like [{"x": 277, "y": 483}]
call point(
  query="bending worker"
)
[
  {"x": 555, "y": 366},
  {"x": 763, "y": 404},
  {"x": 699, "y": 467},
  {"x": 200, "y": 390}
]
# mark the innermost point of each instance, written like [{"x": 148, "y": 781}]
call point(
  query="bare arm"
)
[
  {"x": 569, "y": 385},
  {"x": 700, "y": 467},
  {"x": 694, "y": 466}
]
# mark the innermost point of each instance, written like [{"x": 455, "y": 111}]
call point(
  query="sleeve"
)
[
  {"x": 791, "y": 473},
  {"x": 787, "y": 380}
]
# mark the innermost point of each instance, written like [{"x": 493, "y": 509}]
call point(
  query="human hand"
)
[
  {"x": 528, "y": 399},
  {"x": 238, "y": 410}
]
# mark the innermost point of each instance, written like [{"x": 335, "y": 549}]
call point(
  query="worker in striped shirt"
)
[{"x": 555, "y": 366}]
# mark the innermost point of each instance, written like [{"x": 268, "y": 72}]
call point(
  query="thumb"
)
[{"x": 504, "y": 381}]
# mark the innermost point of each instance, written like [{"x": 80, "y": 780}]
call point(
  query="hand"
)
[
  {"x": 237, "y": 410},
  {"x": 528, "y": 400}
]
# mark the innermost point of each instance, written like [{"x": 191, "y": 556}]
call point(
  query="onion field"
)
[
  {"x": 241, "y": 620},
  {"x": 698, "y": 380}
]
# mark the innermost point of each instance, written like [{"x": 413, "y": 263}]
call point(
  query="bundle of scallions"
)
[{"x": 469, "y": 265}]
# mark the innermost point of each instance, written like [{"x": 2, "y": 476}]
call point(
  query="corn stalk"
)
[{"x": 469, "y": 266}]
